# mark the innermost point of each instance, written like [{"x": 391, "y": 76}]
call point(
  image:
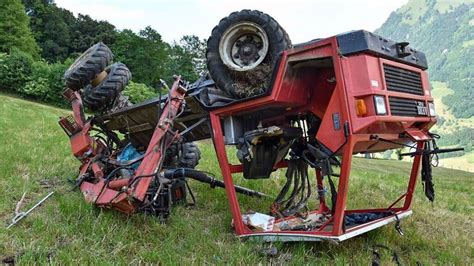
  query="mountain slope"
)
[{"x": 444, "y": 30}]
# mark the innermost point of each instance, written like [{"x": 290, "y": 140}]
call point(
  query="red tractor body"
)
[
  {"x": 352, "y": 93},
  {"x": 318, "y": 79}
]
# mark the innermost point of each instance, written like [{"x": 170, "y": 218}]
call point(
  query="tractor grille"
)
[
  {"x": 407, "y": 107},
  {"x": 401, "y": 80}
]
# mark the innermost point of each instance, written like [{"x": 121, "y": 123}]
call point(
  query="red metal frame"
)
[
  {"x": 122, "y": 194},
  {"x": 299, "y": 99}
]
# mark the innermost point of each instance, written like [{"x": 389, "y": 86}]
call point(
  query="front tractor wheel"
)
[
  {"x": 103, "y": 95},
  {"x": 88, "y": 66}
]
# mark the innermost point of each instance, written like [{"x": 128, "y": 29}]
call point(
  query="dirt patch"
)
[
  {"x": 9, "y": 260},
  {"x": 254, "y": 82}
]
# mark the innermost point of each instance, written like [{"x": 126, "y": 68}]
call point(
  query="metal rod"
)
[{"x": 22, "y": 215}]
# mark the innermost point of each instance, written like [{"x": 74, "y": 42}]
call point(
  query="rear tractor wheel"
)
[{"x": 243, "y": 50}]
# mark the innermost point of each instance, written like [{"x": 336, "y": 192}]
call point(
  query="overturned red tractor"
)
[{"x": 311, "y": 105}]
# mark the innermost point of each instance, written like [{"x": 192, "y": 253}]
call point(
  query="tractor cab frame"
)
[{"x": 337, "y": 82}]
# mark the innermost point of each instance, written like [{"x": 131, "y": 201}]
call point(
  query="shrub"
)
[
  {"x": 32, "y": 79},
  {"x": 15, "y": 70},
  {"x": 138, "y": 92}
]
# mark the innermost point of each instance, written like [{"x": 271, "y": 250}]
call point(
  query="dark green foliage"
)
[
  {"x": 151, "y": 59},
  {"x": 194, "y": 52},
  {"x": 463, "y": 138},
  {"x": 62, "y": 37},
  {"x": 14, "y": 28},
  {"x": 138, "y": 92},
  {"x": 446, "y": 36},
  {"x": 38, "y": 80},
  {"x": 46, "y": 83},
  {"x": 86, "y": 32},
  {"x": 15, "y": 70},
  {"x": 60, "y": 34},
  {"x": 50, "y": 29},
  {"x": 460, "y": 102},
  {"x": 145, "y": 54},
  {"x": 187, "y": 58}
]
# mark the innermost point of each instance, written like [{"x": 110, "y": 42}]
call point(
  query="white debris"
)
[{"x": 259, "y": 221}]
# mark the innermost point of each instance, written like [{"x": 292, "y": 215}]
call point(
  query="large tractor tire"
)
[
  {"x": 186, "y": 155},
  {"x": 87, "y": 66},
  {"x": 243, "y": 50},
  {"x": 102, "y": 96}
]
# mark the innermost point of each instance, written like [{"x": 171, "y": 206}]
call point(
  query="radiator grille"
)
[
  {"x": 402, "y": 80},
  {"x": 407, "y": 107}
]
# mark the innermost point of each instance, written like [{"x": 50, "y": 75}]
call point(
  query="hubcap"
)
[{"x": 243, "y": 46}]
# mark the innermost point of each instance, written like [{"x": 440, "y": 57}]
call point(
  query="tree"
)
[
  {"x": 14, "y": 28},
  {"x": 60, "y": 34},
  {"x": 86, "y": 31},
  {"x": 50, "y": 26},
  {"x": 196, "y": 51},
  {"x": 187, "y": 58},
  {"x": 145, "y": 54}
]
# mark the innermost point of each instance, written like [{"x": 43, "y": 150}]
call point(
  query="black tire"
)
[
  {"x": 87, "y": 66},
  {"x": 186, "y": 155},
  {"x": 190, "y": 155},
  {"x": 102, "y": 96},
  {"x": 242, "y": 84}
]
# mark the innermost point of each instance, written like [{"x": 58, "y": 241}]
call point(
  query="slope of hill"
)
[
  {"x": 36, "y": 159},
  {"x": 444, "y": 30}
]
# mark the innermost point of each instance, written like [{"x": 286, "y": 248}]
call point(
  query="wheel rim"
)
[{"x": 243, "y": 46}]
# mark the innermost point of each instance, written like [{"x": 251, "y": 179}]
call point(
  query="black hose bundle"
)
[
  {"x": 297, "y": 174},
  {"x": 426, "y": 172},
  {"x": 333, "y": 194}
]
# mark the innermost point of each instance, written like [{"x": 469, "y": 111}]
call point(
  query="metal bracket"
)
[{"x": 398, "y": 227}]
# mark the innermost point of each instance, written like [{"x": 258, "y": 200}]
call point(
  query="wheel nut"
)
[
  {"x": 236, "y": 56},
  {"x": 247, "y": 50},
  {"x": 238, "y": 43}
]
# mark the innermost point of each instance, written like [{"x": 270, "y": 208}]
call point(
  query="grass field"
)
[
  {"x": 466, "y": 161},
  {"x": 35, "y": 158}
]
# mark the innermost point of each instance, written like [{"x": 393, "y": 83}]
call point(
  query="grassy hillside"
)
[
  {"x": 35, "y": 158},
  {"x": 444, "y": 30}
]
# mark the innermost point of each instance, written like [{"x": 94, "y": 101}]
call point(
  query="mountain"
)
[{"x": 444, "y": 30}]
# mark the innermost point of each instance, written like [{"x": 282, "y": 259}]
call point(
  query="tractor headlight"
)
[
  {"x": 432, "y": 109},
  {"x": 380, "y": 107}
]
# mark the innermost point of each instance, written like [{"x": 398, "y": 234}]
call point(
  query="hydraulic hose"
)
[{"x": 212, "y": 181}]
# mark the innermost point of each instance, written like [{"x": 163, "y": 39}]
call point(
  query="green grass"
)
[{"x": 35, "y": 157}]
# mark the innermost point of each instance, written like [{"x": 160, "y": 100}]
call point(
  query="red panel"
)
[{"x": 363, "y": 76}]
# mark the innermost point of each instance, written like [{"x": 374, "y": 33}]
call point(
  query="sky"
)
[{"x": 304, "y": 20}]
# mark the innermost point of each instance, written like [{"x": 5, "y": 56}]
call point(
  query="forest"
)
[{"x": 39, "y": 40}]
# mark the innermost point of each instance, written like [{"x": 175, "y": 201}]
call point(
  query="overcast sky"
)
[{"x": 303, "y": 19}]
